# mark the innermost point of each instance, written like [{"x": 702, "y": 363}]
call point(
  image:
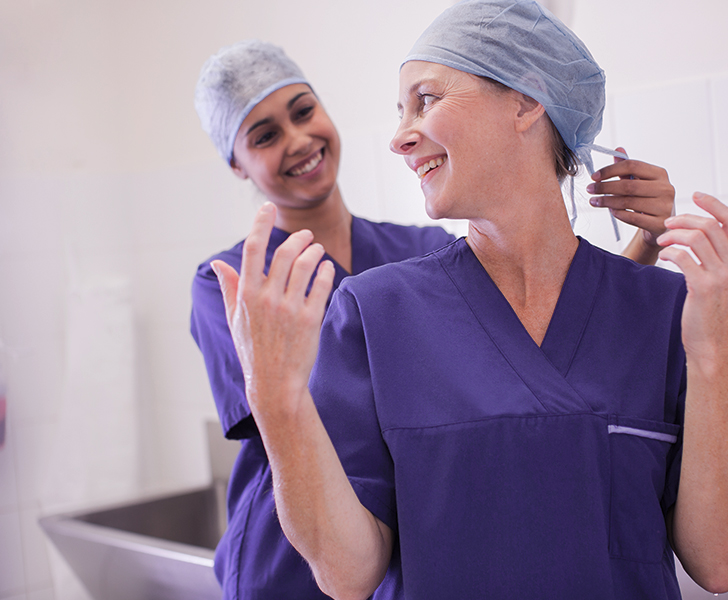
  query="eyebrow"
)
[
  {"x": 267, "y": 120},
  {"x": 292, "y": 101}
]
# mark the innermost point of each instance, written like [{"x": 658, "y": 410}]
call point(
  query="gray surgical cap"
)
[
  {"x": 233, "y": 81},
  {"x": 523, "y": 46}
]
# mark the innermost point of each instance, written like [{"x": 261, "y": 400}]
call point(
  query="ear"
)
[
  {"x": 238, "y": 169},
  {"x": 529, "y": 111}
]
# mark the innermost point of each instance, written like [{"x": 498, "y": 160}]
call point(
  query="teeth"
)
[
  {"x": 422, "y": 169},
  {"x": 309, "y": 166}
]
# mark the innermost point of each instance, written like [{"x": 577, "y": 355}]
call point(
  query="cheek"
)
[
  {"x": 264, "y": 171},
  {"x": 328, "y": 131}
]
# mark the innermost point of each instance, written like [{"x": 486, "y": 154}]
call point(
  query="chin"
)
[{"x": 436, "y": 212}]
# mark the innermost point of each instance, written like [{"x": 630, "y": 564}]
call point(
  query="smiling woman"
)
[{"x": 290, "y": 149}]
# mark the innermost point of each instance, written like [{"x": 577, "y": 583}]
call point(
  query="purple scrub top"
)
[
  {"x": 509, "y": 470},
  {"x": 254, "y": 560}
]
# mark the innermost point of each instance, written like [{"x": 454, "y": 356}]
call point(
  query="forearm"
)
[
  {"x": 700, "y": 524},
  {"x": 275, "y": 325},
  {"x": 347, "y": 547},
  {"x": 640, "y": 251}
]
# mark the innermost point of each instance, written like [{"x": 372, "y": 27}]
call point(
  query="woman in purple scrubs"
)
[{"x": 267, "y": 123}]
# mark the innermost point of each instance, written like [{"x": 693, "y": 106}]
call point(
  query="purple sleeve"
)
[
  {"x": 209, "y": 328},
  {"x": 342, "y": 390}
]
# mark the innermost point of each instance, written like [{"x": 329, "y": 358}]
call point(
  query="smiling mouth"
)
[
  {"x": 422, "y": 170},
  {"x": 308, "y": 166}
]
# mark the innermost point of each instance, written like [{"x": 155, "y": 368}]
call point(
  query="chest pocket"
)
[{"x": 638, "y": 451}]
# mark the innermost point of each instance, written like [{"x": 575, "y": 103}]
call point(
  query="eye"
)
[
  {"x": 304, "y": 112},
  {"x": 264, "y": 138},
  {"x": 426, "y": 100}
]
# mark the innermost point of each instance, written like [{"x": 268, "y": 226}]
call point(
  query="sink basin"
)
[
  {"x": 157, "y": 548},
  {"x": 162, "y": 548}
]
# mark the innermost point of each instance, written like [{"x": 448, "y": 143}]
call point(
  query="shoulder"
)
[
  {"x": 411, "y": 275},
  {"x": 648, "y": 274},
  {"x": 412, "y": 240},
  {"x": 640, "y": 283},
  {"x": 231, "y": 256}
]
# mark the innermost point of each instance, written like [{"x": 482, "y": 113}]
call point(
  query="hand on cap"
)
[{"x": 637, "y": 193}]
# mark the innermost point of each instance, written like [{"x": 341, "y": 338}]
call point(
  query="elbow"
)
[
  {"x": 342, "y": 589},
  {"x": 717, "y": 587},
  {"x": 712, "y": 578},
  {"x": 716, "y": 583}
]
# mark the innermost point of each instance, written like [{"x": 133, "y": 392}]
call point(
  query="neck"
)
[
  {"x": 329, "y": 221},
  {"x": 527, "y": 251}
]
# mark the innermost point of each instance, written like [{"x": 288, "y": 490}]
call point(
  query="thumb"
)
[{"x": 228, "y": 279}]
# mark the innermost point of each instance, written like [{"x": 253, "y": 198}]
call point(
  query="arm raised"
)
[
  {"x": 275, "y": 328},
  {"x": 699, "y": 521}
]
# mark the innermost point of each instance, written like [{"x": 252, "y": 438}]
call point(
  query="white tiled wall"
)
[{"x": 110, "y": 195}]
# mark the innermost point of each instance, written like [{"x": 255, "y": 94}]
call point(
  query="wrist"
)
[
  {"x": 649, "y": 241},
  {"x": 708, "y": 364},
  {"x": 275, "y": 397}
]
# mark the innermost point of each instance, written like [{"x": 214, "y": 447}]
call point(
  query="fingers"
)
[
  {"x": 712, "y": 206},
  {"x": 644, "y": 220},
  {"x": 637, "y": 193},
  {"x": 256, "y": 245},
  {"x": 632, "y": 188},
  {"x": 302, "y": 270},
  {"x": 228, "y": 279},
  {"x": 291, "y": 269},
  {"x": 631, "y": 168},
  {"x": 682, "y": 260},
  {"x": 288, "y": 254},
  {"x": 321, "y": 287},
  {"x": 700, "y": 242},
  {"x": 705, "y": 236}
]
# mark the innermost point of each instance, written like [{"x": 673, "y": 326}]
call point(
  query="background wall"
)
[{"x": 110, "y": 195}]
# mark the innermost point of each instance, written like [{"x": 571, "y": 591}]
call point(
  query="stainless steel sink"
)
[
  {"x": 162, "y": 548},
  {"x": 158, "y": 548}
]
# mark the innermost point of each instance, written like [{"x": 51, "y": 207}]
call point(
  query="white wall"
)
[
  {"x": 110, "y": 195},
  {"x": 667, "y": 80}
]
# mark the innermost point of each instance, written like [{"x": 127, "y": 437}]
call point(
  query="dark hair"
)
[{"x": 565, "y": 160}]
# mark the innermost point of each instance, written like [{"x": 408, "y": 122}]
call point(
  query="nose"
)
[
  {"x": 404, "y": 140},
  {"x": 299, "y": 141}
]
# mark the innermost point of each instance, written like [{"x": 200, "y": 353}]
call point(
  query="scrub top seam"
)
[{"x": 604, "y": 417}]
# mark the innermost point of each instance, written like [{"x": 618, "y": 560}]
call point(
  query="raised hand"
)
[
  {"x": 701, "y": 511},
  {"x": 274, "y": 324},
  {"x": 705, "y": 316}
]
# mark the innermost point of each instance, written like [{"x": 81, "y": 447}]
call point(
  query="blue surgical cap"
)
[
  {"x": 233, "y": 81},
  {"x": 523, "y": 46}
]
